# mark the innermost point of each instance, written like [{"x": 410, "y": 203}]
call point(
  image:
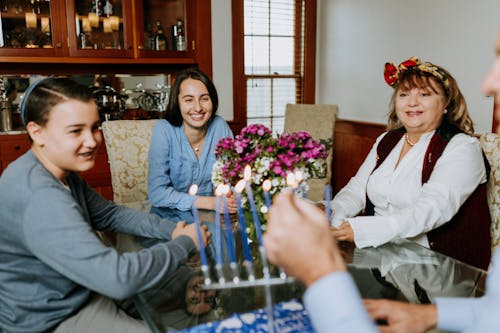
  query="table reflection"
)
[{"x": 404, "y": 270}]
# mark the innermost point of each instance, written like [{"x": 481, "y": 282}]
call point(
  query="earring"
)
[{"x": 445, "y": 111}]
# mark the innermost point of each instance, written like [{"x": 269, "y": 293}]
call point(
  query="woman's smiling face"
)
[
  {"x": 420, "y": 109},
  {"x": 195, "y": 103}
]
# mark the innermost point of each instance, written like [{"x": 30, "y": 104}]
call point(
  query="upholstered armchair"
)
[
  {"x": 319, "y": 121},
  {"x": 490, "y": 143},
  {"x": 127, "y": 145}
]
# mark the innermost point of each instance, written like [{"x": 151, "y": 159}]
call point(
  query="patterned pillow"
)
[{"x": 490, "y": 143}]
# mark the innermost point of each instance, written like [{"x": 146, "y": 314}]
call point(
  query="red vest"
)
[{"x": 466, "y": 236}]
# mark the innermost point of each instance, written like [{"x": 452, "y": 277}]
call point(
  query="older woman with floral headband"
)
[{"x": 424, "y": 178}]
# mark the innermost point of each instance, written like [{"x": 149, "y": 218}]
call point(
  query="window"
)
[{"x": 274, "y": 45}]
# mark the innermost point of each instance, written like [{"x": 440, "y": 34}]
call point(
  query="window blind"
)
[{"x": 273, "y": 34}]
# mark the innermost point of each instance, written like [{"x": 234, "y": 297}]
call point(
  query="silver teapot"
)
[{"x": 111, "y": 104}]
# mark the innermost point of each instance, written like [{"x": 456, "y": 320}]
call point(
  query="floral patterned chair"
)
[
  {"x": 127, "y": 145},
  {"x": 490, "y": 143},
  {"x": 319, "y": 121}
]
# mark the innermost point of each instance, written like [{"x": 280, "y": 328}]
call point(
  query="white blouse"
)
[{"x": 403, "y": 207}]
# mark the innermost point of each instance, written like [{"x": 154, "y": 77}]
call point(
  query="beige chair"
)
[
  {"x": 490, "y": 143},
  {"x": 319, "y": 121},
  {"x": 127, "y": 145}
]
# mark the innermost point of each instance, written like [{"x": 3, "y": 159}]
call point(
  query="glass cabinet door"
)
[
  {"x": 100, "y": 28},
  {"x": 164, "y": 24},
  {"x": 28, "y": 29}
]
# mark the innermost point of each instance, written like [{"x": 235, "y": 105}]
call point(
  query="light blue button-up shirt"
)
[
  {"x": 173, "y": 166},
  {"x": 473, "y": 314}
]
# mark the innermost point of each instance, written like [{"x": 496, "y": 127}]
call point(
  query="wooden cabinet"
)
[
  {"x": 117, "y": 42},
  {"x": 99, "y": 177},
  {"x": 11, "y": 147},
  {"x": 100, "y": 28}
]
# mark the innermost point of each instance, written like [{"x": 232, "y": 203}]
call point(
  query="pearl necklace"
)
[
  {"x": 409, "y": 141},
  {"x": 196, "y": 149}
]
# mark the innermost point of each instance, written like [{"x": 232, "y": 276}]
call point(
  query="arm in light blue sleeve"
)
[
  {"x": 474, "y": 314},
  {"x": 161, "y": 192},
  {"x": 334, "y": 304},
  {"x": 456, "y": 314}
]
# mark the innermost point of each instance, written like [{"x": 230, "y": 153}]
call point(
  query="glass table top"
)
[{"x": 401, "y": 270}]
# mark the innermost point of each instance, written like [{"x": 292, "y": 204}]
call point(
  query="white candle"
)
[
  {"x": 93, "y": 20},
  {"x": 106, "y": 26},
  {"x": 291, "y": 182},
  {"x": 86, "y": 24},
  {"x": 30, "y": 19},
  {"x": 114, "y": 22},
  {"x": 45, "y": 24},
  {"x": 298, "y": 182}
]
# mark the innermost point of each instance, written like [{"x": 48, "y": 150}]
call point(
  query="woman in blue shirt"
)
[{"x": 182, "y": 148}]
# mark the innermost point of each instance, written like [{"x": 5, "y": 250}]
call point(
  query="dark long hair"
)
[{"x": 173, "y": 114}]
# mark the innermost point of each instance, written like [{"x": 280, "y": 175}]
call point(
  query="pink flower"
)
[{"x": 256, "y": 143}]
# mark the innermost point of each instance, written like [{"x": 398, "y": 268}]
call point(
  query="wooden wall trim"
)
[
  {"x": 351, "y": 143},
  {"x": 495, "y": 128}
]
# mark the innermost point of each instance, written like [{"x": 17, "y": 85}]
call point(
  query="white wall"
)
[
  {"x": 356, "y": 38},
  {"x": 222, "y": 56}
]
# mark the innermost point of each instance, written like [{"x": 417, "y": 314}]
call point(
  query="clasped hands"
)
[{"x": 343, "y": 232}]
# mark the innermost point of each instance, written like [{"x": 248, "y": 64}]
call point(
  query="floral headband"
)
[{"x": 391, "y": 72}]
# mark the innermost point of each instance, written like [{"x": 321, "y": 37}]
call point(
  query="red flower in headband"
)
[
  {"x": 412, "y": 62},
  {"x": 390, "y": 74}
]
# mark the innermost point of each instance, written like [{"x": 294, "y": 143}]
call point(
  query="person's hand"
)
[
  {"x": 347, "y": 250},
  {"x": 231, "y": 203},
  {"x": 402, "y": 317},
  {"x": 190, "y": 230},
  {"x": 208, "y": 203},
  {"x": 297, "y": 239},
  {"x": 343, "y": 232}
]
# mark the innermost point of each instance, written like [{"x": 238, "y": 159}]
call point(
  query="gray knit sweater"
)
[{"x": 50, "y": 257}]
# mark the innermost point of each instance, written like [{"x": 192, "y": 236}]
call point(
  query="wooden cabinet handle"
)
[{"x": 17, "y": 147}]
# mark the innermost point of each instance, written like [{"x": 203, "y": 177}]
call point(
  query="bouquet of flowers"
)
[{"x": 270, "y": 157}]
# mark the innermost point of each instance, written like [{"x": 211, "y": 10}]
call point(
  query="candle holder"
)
[{"x": 229, "y": 275}]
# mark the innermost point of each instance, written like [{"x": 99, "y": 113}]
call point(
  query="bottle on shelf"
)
[
  {"x": 85, "y": 34},
  {"x": 149, "y": 38},
  {"x": 83, "y": 40},
  {"x": 160, "y": 38},
  {"x": 107, "y": 9},
  {"x": 178, "y": 36}
]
